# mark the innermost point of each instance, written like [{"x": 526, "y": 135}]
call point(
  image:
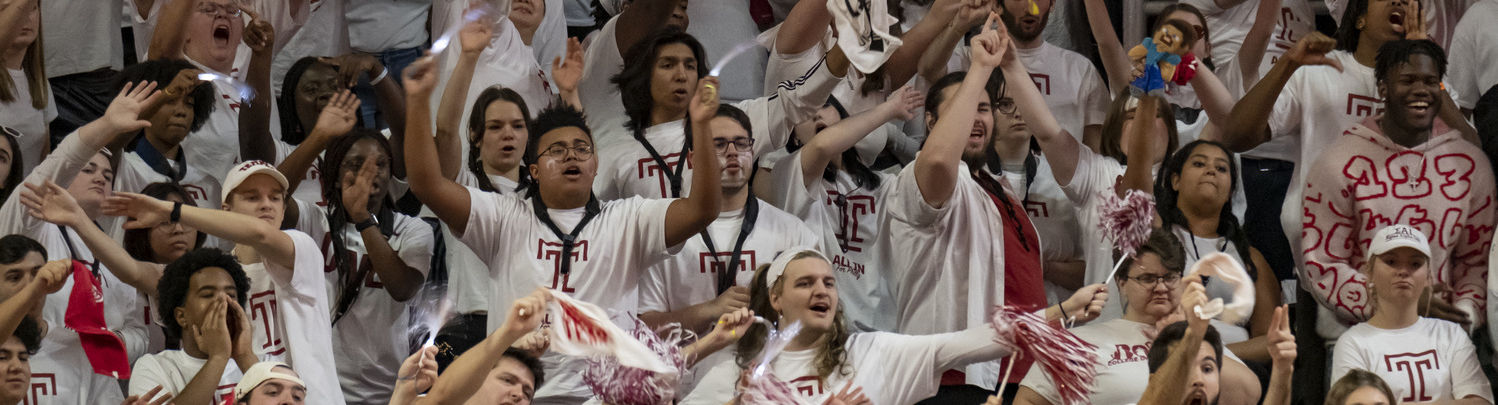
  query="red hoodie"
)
[{"x": 1364, "y": 182}]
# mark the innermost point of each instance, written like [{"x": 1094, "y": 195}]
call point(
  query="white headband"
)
[{"x": 777, "y": 267}]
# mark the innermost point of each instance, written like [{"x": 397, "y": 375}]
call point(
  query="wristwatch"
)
[{"x": 365, "y": 224}]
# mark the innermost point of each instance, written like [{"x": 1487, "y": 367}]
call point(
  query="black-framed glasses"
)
[
  {"x": 1005, "y": 105},
  {"x": 559, "y": 151},
  {"x": 226, "y": 10},
  {"x": 1170, "y": 280},
  {"x": 741, "y": 144}
]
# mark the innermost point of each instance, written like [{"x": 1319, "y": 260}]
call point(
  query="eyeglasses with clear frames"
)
[
  {"x": 740, "y": 144},
  {"x": 226, "y": 10},
  {"x": 559, "y": 151},
  {"x": 1169, "y": 280},
  {"x": 1005, "y": 105}
]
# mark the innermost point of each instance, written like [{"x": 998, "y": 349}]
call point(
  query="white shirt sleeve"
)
[
  {"x": 415, "y": 249},
  {"x": 1467, "y": 378},
  {"x": 1346, "y": 356},
  {"x": 908, "y": 204},
  {"x": 61, "y": 166},
  {"x": 1095, "y": 97},
  {"x": 305, "y": 277},
  {"x": 490, "y": 214},
  {"x": 913, "y": 364},
  {"x": 1089, "y": 178},
  {"x": 649, "y": 230},
  {"x": 653, "y": 290},
  {"x": 147, "y": 374},
  {"x": 792, "y": 102},
  {"x": 788, "y": 187}
]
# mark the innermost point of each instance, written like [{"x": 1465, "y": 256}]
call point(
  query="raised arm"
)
[
  {"x": 643, "y": 17},
  {"x": 28, "y": 301},
  {"x": 446, "y": 198},
  {"x": 255, "y": 141},
  {"x": 474, "y": 37},
  {"x": 1248, "y": 125},
  {"x": 1216, "y": 100},
  {"x": 836, "y": 139},
  {"x": 1060, "y": 147},
  {"x": 936, "y": 167},
  {"x": 466, "y": 374},
  {"x": 1251, "y": 53},
  {"x": 388, "y": 97},
  {"x": 1116, "y": 62},
  {"x": 1282, "y": 351},
  {"x": 805, "y": 26},
  {"x": 933, "y": 63},
  {"x": 143, "y": 211},
  {"x": 688, "y": 216},
  {"x": 336, "y": 120},
  {"x": 1137, "y": 175},
  {"x": 171, "y": 30},
  {"x": 1165, "y": 384},
  {"x": 775, "y": 116},
  {"x": 566, "y": 74},
  {"x": 906, "y": 60},
  {"x": 51, "y": 203}
]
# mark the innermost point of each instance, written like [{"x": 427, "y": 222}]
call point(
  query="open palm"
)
[{"x": 51, "y": 203}]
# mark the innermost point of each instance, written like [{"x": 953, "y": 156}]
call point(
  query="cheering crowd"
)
[{"x": 645, "y": 202}]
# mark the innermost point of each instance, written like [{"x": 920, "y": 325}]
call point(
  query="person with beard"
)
[
  {"x": 1189, "y": 352},
  {"x": 1068, "y": 82},
  {"x": 605, "y": 58},
  {"x": 1424, "y": 359},
  {"x": 1388, "y": 170},
  {"x": 560, "y": 235},
  {"x": 656, "y": 87}
]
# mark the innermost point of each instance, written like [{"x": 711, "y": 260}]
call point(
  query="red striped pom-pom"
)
[
  {"x": 1066, "y": 358},
  {"x": 621, "y": 385},
  {"x": 1127, "y": 220},
  {"x": 768, "y": 390}
]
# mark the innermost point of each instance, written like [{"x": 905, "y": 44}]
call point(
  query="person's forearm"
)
[
  {"x": 902, "y": 65},
  {"x": 392, "y": 102},
  {"x": 450, "y": 116},
  {"x": 965, "y": 347},
  {"x": 141, "y": 275},
  {"x": 695, "y": 318},
  {"x": 272, "y": 244},
  {"x": 245, "y": 361},
  {"x": 934, "y": 60},
  {"x": 171, "y": 30},
  {"x": 833, "y": 140},
  {"x": 401, "y": 281},
  {"x": 19, "y": 306},
  {"x": 295, "y": 166},
  {"x": 466, "y": 373},
  {"x": 1115, "y": 60},
  {"x": 640, "y": 19},
  {"x": 1165, "y": 383},
  {"x": 936, "y": 166},
  {"x": 255, "y": 142},
  {"x": 200, "y": 389},
  {"x": 1255, "y": 349},
  {"x": 1279, "y": 386},
  {"x": 1248, "y": 125},
  {"x": 805, "y": 26},
  {"x": 445, "y": 197},
  {"x": 1137, "y": 175},
  {"x": 1452, "y": 116},
  {"x": 1216, "y": 100},
  {"x": 1251, "y": 54},
  {"x": 706, "y": 179}
]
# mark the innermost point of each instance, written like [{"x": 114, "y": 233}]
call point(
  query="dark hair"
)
[
  {"x": 934, "y": 96},
  {"x": 163, "y": 71},
  {"x": 1113, "y": 127},
  {"x": 639, "y": 66},
  {"x": 1354, "y": 379},
  {"x": 1398, "y": 52},
  {"x": 176, "y": 279},
  {"x": 30, "y": 333},
  {"x": 530, "y": 362},
  {"x": 1161, "y": 243},
  {"x": 1348, "y": 32},
  {"x": 138, "y": 241},
  {"x": 292, "y": 131},
  {"x": 15, "y": 247},
  {"x": 476, "y": 128},
  {"x": 553, "y": 117},
  {"x": 737, "y": 115},
  {"x": 1167, "y": 201},
  {"x": 831, "y": 358},
  {"x": 331, "y": 168},
  {"x": 863, "y": 176},
  {"x": 1206, "y": 28},
  {"x": 17, "y": 165},
  {"x": 1160, "y": 350},
  {"x": 1485, "y": 118}
]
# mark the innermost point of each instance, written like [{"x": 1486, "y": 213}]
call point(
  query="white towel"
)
[{"x": 863, "y": 32}]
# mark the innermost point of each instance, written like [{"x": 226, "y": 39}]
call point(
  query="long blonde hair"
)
[
  {"x": 832, "y": 357},
  {"x": 36, "y": 71}
]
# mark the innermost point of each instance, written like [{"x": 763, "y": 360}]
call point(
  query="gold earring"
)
[{"x": 1360, "y": 23}]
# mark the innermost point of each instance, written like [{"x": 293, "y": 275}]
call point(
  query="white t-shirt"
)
[
  {"x": 289, "y": 310},
  {"x": 891, "y": 368},
  {"x": 1070, "y": 85},
  {"x": 1474, "y": 53},
  {"x": 1430, "y": 360},
  {"x": 135, "y": 174},
  {"x": 847, "y": 218},
  {"x": 782, "y": 67},
  {"x": 84, "y": 34},
  {"x": 1229, "y": 27},
  {"x": 721, "y": 25},
  {"x": 172, "y": 370},
  {"x": 1196, "y": 247},
  {"x": 1094, "y": 176},
  {"x": 371, "y": 338},
  {"x": 506, "y": 62},
  {"x": 30, "y": 122},
  {"x": 609, "y": 258},
  {"x": 387, "y": 25},
  {"x": 1123, "y": 370},
  {"x": 943, "y": 264},
  {"x": 599, "y": 95},
  {"x": 626, "y": 168},
  {"x": 691, "y": 276},
  {"x": 468, "y": 280}
]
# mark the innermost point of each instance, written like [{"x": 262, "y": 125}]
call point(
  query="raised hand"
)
[
  {"x": 51, "y": 276},
  {"x": 419, "y": 369},
  {"x": 704, "y": 103},
  {"x": 567, "y": 74},
  {"x": 356, "y": 192},
  {"x": 339, "y": 116},
  {"x": 124, "y": 113},
  {"x": 847, "y": 397},
  {"x": 526, "y": 313},
  {"x": 536, "y": 342},
  {"x": 990, "y": 46},
  {"x": 260, "y": 36},
  {"x": 475, "y": 35},
  {"x": 180, "y": 87},
  {"x": 1192, "y": 296},
  {"x": 1281, "y": 341},
  {"x": 142, "y": 399},
  {"x": 242, "y": 334},
  {"x": 143, "y": 211},
  {"x": 730, "y": 328},
  {"x": 971, "y": 12},
  {"x": 420, "y": 78},
  {"x": 212, "y": 333},
  {"x": 902, "y": 104},
  {"x": 51, "y": 203},
  {"x": 352, "y": 65},
  {"x": 1311, "y": 50},
  {"x": 1087, "y": 303},
  {"x": 1414, "y": 22}
]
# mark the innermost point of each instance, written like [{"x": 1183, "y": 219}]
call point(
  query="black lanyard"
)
[
  {"x": 568, "y": 240},
  {"x": 995, "y": 192},
  {"x": 681, "y": 162},
  {"x": 727, "y": 275},
  {"x": 93, "y": 265}
]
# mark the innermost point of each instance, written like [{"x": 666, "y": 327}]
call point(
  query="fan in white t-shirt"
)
[
  {"x": 156, "y": 154},
  {"x": 560, "y": 236},
  {"x": 313, "y": 84},
  {"x": 1252, "y": 34},
  {"x": 1422, "y": 359},
  {"x": 29, "y": 278},
  {"x": 202, "y": 302},
  {"x": 1070, "y": 85},
  {"x": 651, "y": 161},
  {"x": 605, "y": 56},
  {"x": 1474, "y": 46},
  {"x": 288, "y": 297},
  {"x": 377, "y": 261},
  {"x": 26, "y": 103}
]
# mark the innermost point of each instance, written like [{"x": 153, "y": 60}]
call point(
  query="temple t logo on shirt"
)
[
  {"x": 807, "y": 386},
  {"x": 263, "y": 310},
  {"x": 1043, "y": 82},
  {"x": 1363, "y": 106},
  {"x": 552, "y": 251},
  {"x": 1037, "y": 209},
  {"x": 647, "y": 168},
  {"x": 1414, "y": 366},
  {"x": 709, "y": 262},
  {"x": 853, "y": 209},
  {"x": 43, "y": 385}
]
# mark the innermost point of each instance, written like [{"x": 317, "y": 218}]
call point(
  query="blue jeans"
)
[{"x": 395, "y": 61}]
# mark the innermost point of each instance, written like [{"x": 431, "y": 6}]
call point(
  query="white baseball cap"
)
[
  {"x": 262, "y": 372},
  {"x": 1398, "y": 236},
  {"x": 248, "y": 168}
]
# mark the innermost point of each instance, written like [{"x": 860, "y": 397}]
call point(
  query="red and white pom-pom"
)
[
  {"x": 1066, "y": 358},
  {"x": 768, "y": 390},
  {"x": 622, "y": 385},
  {"x": 1128, "y": 220}
]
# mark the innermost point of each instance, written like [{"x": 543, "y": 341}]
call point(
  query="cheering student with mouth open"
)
[{"x": 559, "y": 235}]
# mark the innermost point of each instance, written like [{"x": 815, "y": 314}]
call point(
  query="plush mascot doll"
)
[{"x": 1163, "y": 58}]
